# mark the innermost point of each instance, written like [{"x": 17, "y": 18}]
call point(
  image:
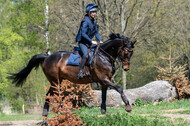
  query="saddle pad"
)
[{"x": 75, "y": 58}]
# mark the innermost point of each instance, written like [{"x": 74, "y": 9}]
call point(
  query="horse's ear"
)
[{"x": 133, "y": 40}]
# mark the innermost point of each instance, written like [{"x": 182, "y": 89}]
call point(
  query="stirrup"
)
[{"x": 80, "y": 75}]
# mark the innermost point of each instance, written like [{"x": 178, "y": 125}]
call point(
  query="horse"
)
[{"x": 101, "y": 69}]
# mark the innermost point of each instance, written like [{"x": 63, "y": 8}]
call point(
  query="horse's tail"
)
[{"x": 20, "y": 77}]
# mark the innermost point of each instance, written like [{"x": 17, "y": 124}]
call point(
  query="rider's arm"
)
[
  {"x": 97, "y": 34},
  {"x": 84, "y": 31}
]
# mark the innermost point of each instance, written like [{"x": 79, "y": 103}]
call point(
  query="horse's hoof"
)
[
  {"x": 43, "y": 123},
  {"x": 104, "y": 112},
  {"x": 128, "y": 108}
]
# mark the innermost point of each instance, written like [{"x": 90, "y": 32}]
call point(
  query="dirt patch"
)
[
  {"x": 173, "y": 116},
  {"x": 175, "y": 110},
  {"x": 145, "y": 114},
  {"x": 20, "y": 123}
]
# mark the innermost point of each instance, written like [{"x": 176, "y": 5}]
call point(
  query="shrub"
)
[
  {"x": 67, "y": 96},
  {"x": 17, "y": 104},
  {"x": 176, "y": 76},
  {"x": 139, "y": 102}
]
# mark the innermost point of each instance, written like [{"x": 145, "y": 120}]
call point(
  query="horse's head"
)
[
  {"x": 126, "y": 52},
  {"x": 122, "y": 45}
]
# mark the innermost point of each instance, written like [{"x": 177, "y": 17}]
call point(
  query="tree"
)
[
  {"x": 176, "y": 76},
  {"x": 21, "y": 36}
]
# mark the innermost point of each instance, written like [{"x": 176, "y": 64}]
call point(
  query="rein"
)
[{"x": 111, "y": 57}]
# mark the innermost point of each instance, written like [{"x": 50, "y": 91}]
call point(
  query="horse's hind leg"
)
[
  {"x": 46, "y": 105},
  {"x": 104, "y": 93}
]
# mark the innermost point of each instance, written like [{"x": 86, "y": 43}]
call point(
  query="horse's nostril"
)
[{"x": 126, "y": 69}]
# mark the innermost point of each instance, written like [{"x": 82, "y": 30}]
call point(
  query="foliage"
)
[
  {"x": 31, "y": 91},
  {"x": 152, "y": 115},
  {"x": 19, "y": 117},
  {"x": 20, "y": 38},
  {"x": 139, "y": 102},
  {"x": 122, "y": 119},
  {"x": 8, "y": 44},
  {"x": 26, "y": 20},
  {"x": 67, "y": 96},
  {"x": 176, "y": 76},
  {"x": 0, "y": 108},
  {"x": 17, "y": 104},
  {"x": 175, "y": 104}
]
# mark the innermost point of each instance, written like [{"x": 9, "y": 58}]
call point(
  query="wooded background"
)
[{"x": 29, "y": 27}]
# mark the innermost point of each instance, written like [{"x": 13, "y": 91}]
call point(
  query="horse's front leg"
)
[
  {"x": 120, "y": 90},
  {"x": 104, "y": 93}
]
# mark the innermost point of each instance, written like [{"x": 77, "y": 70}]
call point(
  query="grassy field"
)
[
  {"x": 19, "y": 117},
  {"x": 161, "y": 114}
]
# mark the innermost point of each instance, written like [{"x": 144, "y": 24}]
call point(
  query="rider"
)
[{"x": 87, "y": 30}]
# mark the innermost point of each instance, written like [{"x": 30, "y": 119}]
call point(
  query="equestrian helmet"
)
[{"x": 91, "y": 7}]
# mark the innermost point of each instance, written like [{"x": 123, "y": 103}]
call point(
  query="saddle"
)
[
  {"x": 75, "y": 60},
  {"x": 90, "y": 54},
  {"x": 76, "y": 57}
]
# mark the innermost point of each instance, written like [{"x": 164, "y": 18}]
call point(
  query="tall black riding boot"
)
[{"x": 80, "y": 73}]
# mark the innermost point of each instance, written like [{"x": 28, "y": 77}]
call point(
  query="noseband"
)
[{"x": 128, "y": 55}]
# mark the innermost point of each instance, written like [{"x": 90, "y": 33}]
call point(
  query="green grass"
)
[
  {"x": 158, "y": 108},
  {"x": 117, "y": 117},
  {"x": 18, "y": 117},
  {"x": 142, "y": 115},
  {"x": 148, "y": 115},
  {"x": 123, "y": 119},
  {"x": 184, "y": 112}
]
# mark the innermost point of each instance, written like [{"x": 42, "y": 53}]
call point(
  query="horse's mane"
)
[{"x": 113, "y": 36}]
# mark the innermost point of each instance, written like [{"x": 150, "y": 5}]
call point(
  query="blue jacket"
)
[{"x": 87, "y": 30}]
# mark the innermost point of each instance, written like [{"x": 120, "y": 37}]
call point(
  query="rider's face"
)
[{"x": 92, "y": 14}]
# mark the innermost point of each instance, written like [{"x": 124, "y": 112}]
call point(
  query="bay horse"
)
[{"x": 101, "y": 70}]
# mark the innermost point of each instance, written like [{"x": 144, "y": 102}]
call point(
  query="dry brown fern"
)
[
  {"x": 67, "y": 97},
  {"x": 176, "y": 76}
]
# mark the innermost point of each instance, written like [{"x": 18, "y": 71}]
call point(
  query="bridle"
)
[
  {"x": 119, "y": 54},
  {"x": 128, "y": 54}
]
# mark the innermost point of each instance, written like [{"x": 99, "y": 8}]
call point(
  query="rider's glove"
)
[{"x": 94, "y": 42}]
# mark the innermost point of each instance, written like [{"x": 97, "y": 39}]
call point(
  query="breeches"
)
[{"x": 84, "y": 50}]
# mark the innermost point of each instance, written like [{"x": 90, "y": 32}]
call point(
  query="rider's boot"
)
[{"x": 80, "y": 73}]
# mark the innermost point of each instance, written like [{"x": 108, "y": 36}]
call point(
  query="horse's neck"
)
[{"x": 112, "y": 47}]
